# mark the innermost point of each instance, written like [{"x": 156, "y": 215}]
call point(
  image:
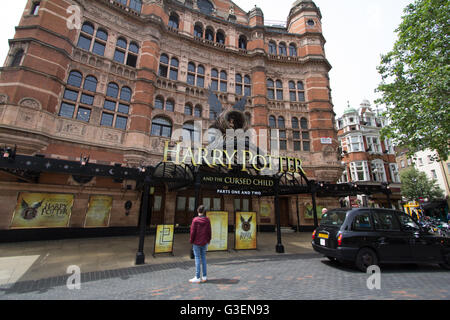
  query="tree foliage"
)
[
  {"x": 415, "y": 185},
  {"x": 415, "y": 79}
]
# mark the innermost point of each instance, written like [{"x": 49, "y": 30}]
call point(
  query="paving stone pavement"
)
[{"x": 306, "y": 276}]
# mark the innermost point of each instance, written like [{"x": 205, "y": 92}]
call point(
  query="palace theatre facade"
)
[{"x": 110, "y": 81}]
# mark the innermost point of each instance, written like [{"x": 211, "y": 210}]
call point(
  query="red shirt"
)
[{"x": 200, "y": 231}]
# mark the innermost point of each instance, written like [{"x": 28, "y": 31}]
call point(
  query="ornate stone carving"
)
[
  {"x": 30, "y": 103},
  {"x": 72, "y": 129}
]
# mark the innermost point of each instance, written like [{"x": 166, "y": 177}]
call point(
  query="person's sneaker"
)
[
  {"x": 194, "y": 280},
  {"x": 204, "y": 279}
]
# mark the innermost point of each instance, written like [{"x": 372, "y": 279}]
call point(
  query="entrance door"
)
[{"x": 284, "y": 212}]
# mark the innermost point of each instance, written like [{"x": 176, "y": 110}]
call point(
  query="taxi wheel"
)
[{"x": 365, "y": 258}]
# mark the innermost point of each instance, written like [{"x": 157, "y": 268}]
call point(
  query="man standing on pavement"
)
[{"x": 200, "y": 238}]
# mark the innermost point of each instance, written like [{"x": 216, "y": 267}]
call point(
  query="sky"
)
[{"x": 357, "y": 32}]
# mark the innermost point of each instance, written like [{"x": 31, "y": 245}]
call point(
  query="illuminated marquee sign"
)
[{"x": 226, "y": 159}]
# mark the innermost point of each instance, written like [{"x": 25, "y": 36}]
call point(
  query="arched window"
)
[
  {"x": 214, "y": 80},
  {"x": 163, "y": 66},
  {"x": 209, "y": 34},
  {"x": 292, "y": 50},
  {"x": 294, "y": 123},
  {"x": 281, "y": 123},
  {"x": 220, "y": 37},
  {"x": 205, "y": 6},
  {"x": 272, "y": 48},
  {"x": 174, "y": 69},
  {"x": 100, "y": 42},
  {"x": 159, "y": 103},
  {"x": 201, "y": 76},
  {"x": 173, "y": 21},
  {"x": 116, "y": 107},
  {"x": 188, "y": 109},
  {"x": 161, "y": 127},
  {"x": 90, "y": 84},
  {"x": 170, "y": 105},
  {"x": 86, "y": 35},
  {"x": 247, "y": 85},
  {"x": 279, "y": 86},
  {"x": 292, "y": 91},
  {"x": 75, "y": 79},
  {"x": 198, "y": 111},
  {"x": 300, "y": 91},
  {"x": 198, "y": 30},
  {"x": 191, "y": 73},
  {"x": 238, "y": 84},
  {"x": 120, "y": 52},
  {"x": 243, "y": 42},
  {"x": 113, "y": 90},
  {"x": 270, "y": 89},
  {"x": 223, "y": 81},
  {"x": 303, "y": 123},
  {"x": 272, "y": 122},
  {"x": 136, "y": 5},
  {"x": 282, "y": 49},
  {"x": 75, "y": 104},
  {"x": 133, "y": 52}
]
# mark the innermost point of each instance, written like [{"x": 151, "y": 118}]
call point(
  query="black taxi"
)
[{"x": 369, "y": 236}]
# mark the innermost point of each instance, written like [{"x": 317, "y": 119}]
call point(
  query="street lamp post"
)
[{"x": 140, "y": 256}]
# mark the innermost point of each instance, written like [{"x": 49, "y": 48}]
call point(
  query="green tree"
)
[
  {"x": 415, "y": 185},
  {"x": 416, "y": 78}
]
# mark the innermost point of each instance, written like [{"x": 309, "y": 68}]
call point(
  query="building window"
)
[
  {"x": 378, "y": 171},
  {"x": 136, "y": 5},
  {"x": 163, "y": 66},
  {"x": 301, "y": 137},
  {"x": 116, "y": 108},
  {"x": 77, "y": 101},
  {"x": 220, "y": 37},
  {"x": 355, "y": 143},
  {"x": 282, "y": 49},
  {"x": 433, "y": 174},
  {"x": 272, "y": 48},
  {"x": 201, "y": 76},
  {"x": 223, "y": 81},
  {"x": 279, "y": 89},
  {"x": 373, "y": 145},
  {"x": 161, "y": 127},
  {"x": 35, "y": 8},
  {"x": 270, "y": 89},
  {"x": 173, "y": 21},
  {"x": 359, "y": 171},
  {"x": 86, "y": 35},
  {"x": 192, "y": 74},
  {"x": 296, "y": 91},
  {"x": 272, "y": 122},
  {"x": 394, "y": 172},
  {"x": 205, "y": 6},
  {"x": 209, "y": 34},
  {"x": 188, "y": 109},
  {"x": 173, "y": 75},
  {"x": 100, "y": 42},
  {"x": 242, "y": 42},
  {"x": 243, "y": 85},
  {"x": 198, "y": 111},
  {"x": 292, "y": 50},
  {"x": 189, "y": 128},
  {"x": 121, "y": 47},
  {"x": 168, "y": 105},
  {"x": 198, "y": 30},
  {"x": 17, "y": 58}
]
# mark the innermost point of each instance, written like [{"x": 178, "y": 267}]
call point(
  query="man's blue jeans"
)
[{"x": 200, "y": 259}]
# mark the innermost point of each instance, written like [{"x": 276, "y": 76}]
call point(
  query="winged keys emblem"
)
[{"x": 228, "y": 119}]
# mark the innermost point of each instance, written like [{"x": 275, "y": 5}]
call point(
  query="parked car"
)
[{"x": 369, "y": 236}]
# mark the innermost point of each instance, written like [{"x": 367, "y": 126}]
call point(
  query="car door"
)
[
  {"x": 424, "y": 246},
  {"x": 361, "y": 230},
  {"x": 392, "y": 243}
]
